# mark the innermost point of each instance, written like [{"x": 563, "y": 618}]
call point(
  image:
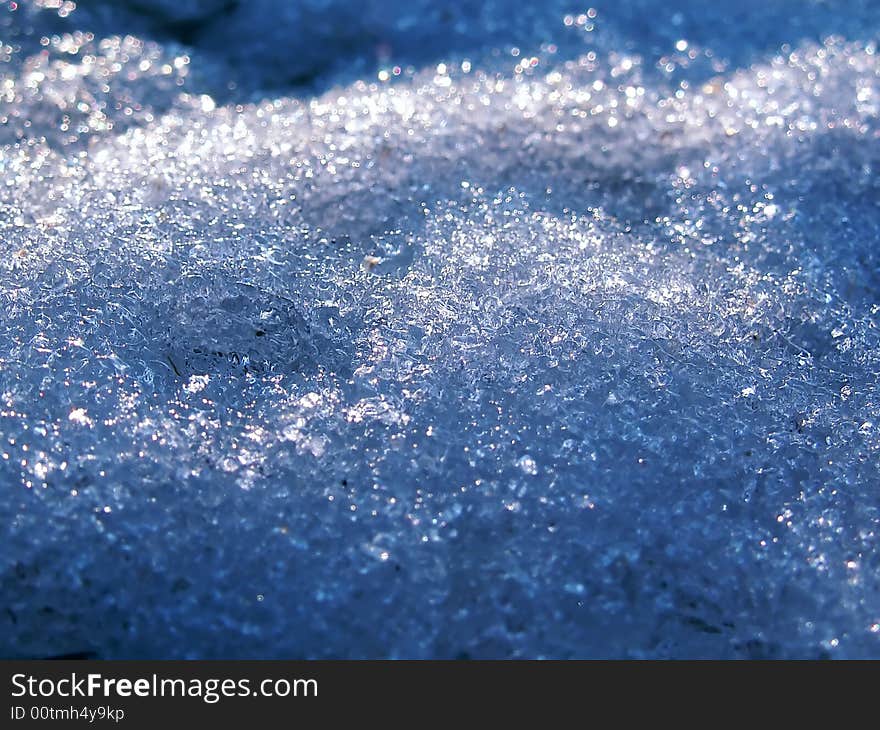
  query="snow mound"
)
[{"x": 561, "y": 350}]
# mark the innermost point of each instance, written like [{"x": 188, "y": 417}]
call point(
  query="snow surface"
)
[{"x": 437, "y": 329}]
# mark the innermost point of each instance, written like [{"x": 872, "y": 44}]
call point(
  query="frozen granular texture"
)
[{"x": 567, "y": 349}]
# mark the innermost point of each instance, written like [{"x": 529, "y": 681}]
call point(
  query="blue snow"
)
[{"x": 439, "y": 329}]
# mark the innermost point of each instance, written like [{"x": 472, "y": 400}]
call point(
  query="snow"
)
[{"x": 439, "y": 330}]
